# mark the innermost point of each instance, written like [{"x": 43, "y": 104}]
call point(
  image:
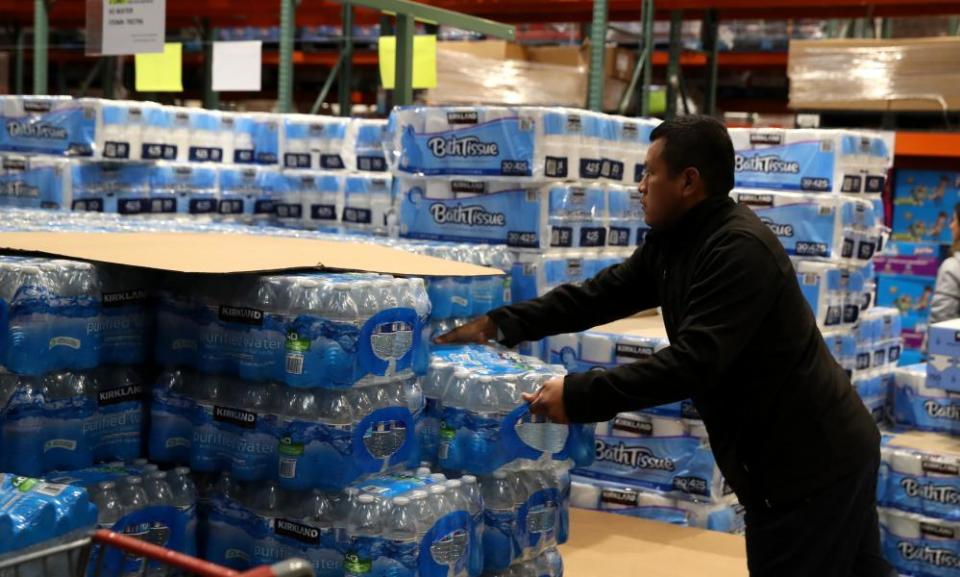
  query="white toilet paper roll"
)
[
  {"x": 668, "y": 427},
  {"x": 560, "y": 343},
  {"x": 435, "y": 188},
  {"x": 903, "y": 525},
  {"x": 584, "y": 495},
  {"x": 597, "y": 348},
  {"x": 435, "y": 120},
  {"x": 697, "y": 429},
  {"x": 653, "y": 499},
  {"x": 602, "y": 429},
  {"x": 907, "y": 462}
]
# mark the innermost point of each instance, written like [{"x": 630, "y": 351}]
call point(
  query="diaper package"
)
[
  {"x": 823, "y": 226},
  {"x": 811, "y": 160}
]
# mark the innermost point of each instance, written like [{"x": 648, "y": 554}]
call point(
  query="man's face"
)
[{"x": 662, "y": 192}]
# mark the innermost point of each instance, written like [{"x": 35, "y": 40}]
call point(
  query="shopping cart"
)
[{"x": 71, "y": 559}]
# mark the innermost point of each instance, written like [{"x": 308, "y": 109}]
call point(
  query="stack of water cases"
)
[
  {"x": 141, "y": 158},
  {"x": 917, "y": 492},
  {"x": 476, "y": 423},
  {"x": 656, "y": 463},
  {"x": 819, "y": 192},
  {"x": 557, "y": 186},
  {"x": 74, "y": 335}
]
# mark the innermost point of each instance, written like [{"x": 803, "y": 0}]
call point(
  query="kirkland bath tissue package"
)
[
  {"x": 313, "y": 142},
  {"x": 919, "y": 406},
  {"x": 534, "y": 274},
  {"x": 943, "y": 360},
  {"x": 812, "y": 225},
  {"x": 810, "y": 160},
  {"x": 518, "y": 214},
  {"x": 625, "y": 498},
  {"x": 34, "y": 182},
  {"x": 112, "y": 187},
  {"x": 920, "y": 546},
  {"x": 526, "y": 142},
  {"x": 925, "y": 482},
  {"x": 834, "y": 292},
  {"x": 310, "y": 199}
]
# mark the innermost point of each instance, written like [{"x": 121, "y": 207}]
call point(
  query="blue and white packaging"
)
[
  {"x": 917, "y": 406},
  {"x": 811, "y": 225},
  {"x": 34, "y": 182},
  {"x": 835, "y": 293},
  {"x": 157, "y": 136},
  {"x": 310, "y": 199},
  {"x": 534, "y": 274},
  {"x": 113, "y": 187},
  {"x": 183, "y": 189},
  {"x": 313, "y": 142},
  {"x": 811, "y": 160},
  {"x": 922, "y": 481},
  {"x": 627, "y": 220},
  {"x": 36, "y": 511},
  {"x": 843, "y": 346},
  {"x": 367, "y": 138},
  {"x": 514, "y": 213},
  {"x": 943, "y": 361},
  {"x": 207, "y": 137},
  {"x": 918, "y": 545},
  {"x": 249, "y": 193},
  {"x": 597, "y": 349},
  {"x": 911, "y": 294},
  {"x": 367, "y": 203},
  {"x": 625, "y": 498}
]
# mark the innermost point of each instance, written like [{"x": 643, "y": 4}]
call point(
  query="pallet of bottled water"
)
[
  {"x": 302, "y": 330},
  {"x": 301, "y": 438},
  {"x": 139, "y": 500},
  {"x": 35, "y": 512},
  {"x": 478, "y": 422},
  {"x": 70, "y": 420}
]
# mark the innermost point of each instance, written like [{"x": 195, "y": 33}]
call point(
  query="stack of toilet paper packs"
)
[
  {"x": 142, "y": 158},
  {"x": 557, "y": 186}
]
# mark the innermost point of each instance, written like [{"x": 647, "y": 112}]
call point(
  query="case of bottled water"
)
[
  {"x": 66, "y": 420},
  {"x": 549, "y": 564},
  {"x": 525, "y": 142},
  {"x": 302, "y": 438},
  {"x": 625, "y": 498},
  {"x": 139, "y": 500},
  {"x": 476, "y": 413},
  {"x": 34, "y": 182},
  {"x": 400, "y": 525},
  {"x": 34, "y": 511},
  {"x": 304, "y": 330}
]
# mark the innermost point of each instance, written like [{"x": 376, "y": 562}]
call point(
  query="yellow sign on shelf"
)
[
  {"x": 424, "y": 61},
  {"x": 160, "y": 72}
]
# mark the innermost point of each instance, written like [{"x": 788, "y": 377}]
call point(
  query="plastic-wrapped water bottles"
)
[{"x": 34, "y": 511}]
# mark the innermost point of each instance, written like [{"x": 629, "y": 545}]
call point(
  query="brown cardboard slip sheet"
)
[
  {"x": 607, "y": 545},
  {"x": 229, "y": 253}
]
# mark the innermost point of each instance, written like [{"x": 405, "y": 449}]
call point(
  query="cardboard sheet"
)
[
  {"x": 933, "y": 443},
  {"x": 225, "y": 253},
  {"x": 607, "y": 545},
  {"x": 643, "y": 325}
]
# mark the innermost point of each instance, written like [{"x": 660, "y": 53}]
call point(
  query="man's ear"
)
[{"x": 692, "y": 183}]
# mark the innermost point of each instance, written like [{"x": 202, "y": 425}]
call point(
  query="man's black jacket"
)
[{"x": 782, "y": 416}]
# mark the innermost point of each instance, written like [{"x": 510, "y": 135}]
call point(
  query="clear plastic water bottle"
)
[
  {"x": 363, "y": 525},
  {"x": 24, "y": 428},
  {"x": 344, "y": 505},
  {"x": 419, "y": 500},
  {"x": 69, "y": 408},
  {"x": 474, "y": 501},
  {"x": 402, "y": 531},
  {"x": 319, "y": 510},
  {"x": 109, "y": 507},
  {"x": 483, "y": 402},
  {"x": 501, "y": 503},
  {"x": 439, "y": 501},
  {"x": 134, "y": 498}
]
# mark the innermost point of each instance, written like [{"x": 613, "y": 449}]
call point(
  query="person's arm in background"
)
[
  {"x": 616, "y": 292},
  {"x": 733, "y": 291},
  {"x": 946, "y": 296}
]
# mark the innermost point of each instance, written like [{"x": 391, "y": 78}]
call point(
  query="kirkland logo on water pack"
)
[
  {"x": 238, "y": 417},
  {"x": 633, "y": 457},
  {"x": 929, "y": 492},
  {"x": 471, "y": 215},
  {"x": 297, "y": 531},
  {"x": 119, "y": 395},
  {"x": 119, "y": 299},
  {"x": 768, "y": 164},
  {"x": 467, "y": 146},
  {"x": 241, "y": 315}
]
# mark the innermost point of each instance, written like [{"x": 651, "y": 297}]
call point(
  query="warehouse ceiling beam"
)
[
  {"x": 328, "y": 84},
  {"x": 285, "y": 74},
  {"x": 598, "y": 39},
  {"x": 711, "y": 27},
  {"x": 407, "y": 13},
  {"x": 41, "y": 40},
  {"x": 673, "y": 64},
  {"x": 649, "y": 14},
  {"x": 345, "y": 77}
]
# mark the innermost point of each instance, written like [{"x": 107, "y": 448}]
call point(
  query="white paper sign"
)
[
  {"x": 116, "y": 27},
  {"x": 236, "y": 66}
]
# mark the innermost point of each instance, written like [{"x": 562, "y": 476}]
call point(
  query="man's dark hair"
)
[{"x": 701, "y": 142}]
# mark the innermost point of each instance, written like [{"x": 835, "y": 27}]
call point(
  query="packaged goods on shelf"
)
[
  {"x": 835, "y": 293},
  {"x": 34, "y": 182},
  {"x": 923, "y": 202},
  {"x": 600, "y": 349},
  {"x": 536, "y": 273},
  {"x": 249, "y": 193},
  {"x": 368, "y": 136},
  {"x": 815, "y": 225},
  {"x": 305, "y": 330},
  {"x": 139, "y": 500},
  {"x": 114, "y": 187},
  {"x": 34, "y": 512},
  {"x": 313, "y": 142},
  {"x": 906, "y": 275},
  {"x": 920, "y": 473},
  {"x": 368, "y": 203},
  {"x": 943, "y": 361},
  {"x": 181, "y": 189},
  {"x": 812, "y": 160},
  {"x": 70, "y": 420},
  {"x": 525, "y": 142},
  {"x": 302, "y": 438},
  {"x": 310, "y": 199},
  {"x": 918, "y": 545},
  {"x": 918, "y": 406},
  {"x": 477, "y": 420},
  {"x": 625, "y": 498}
]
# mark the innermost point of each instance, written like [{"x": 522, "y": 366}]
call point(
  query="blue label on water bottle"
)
[{"x": 386, "y": 342}]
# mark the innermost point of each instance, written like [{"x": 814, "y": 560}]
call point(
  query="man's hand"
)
[
  {"x": 480, "y": 330},
  {"x": 548, "y": 401}
]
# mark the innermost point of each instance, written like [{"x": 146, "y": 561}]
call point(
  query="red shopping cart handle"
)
[{"x": 138, "y": 548}]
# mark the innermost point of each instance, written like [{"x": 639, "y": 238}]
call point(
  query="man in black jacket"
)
[{"x": 788, "y": 431}]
